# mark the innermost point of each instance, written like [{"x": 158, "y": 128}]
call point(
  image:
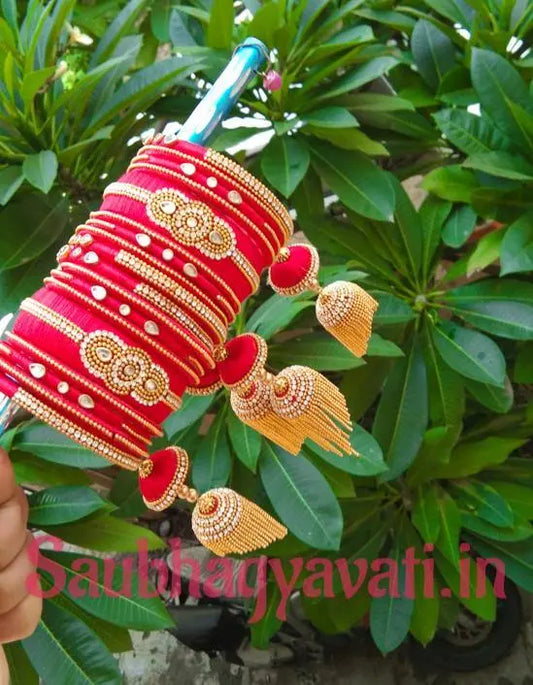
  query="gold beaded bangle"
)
[
  {"x": 127, "y": 296},
  {"x": 207, "y": 390},
  {"x": 42, "y": 411},
  {"x": 78, "y": 335},
  {"x": 218, "y": 243},
  {"x": 145, "y": 166},
  {"x": 82, "y": 380},
  {"x": 129, "y": 327},
  {"x": 155, "y": 277},
  {"x": 247, "y": 184},
  {"x": 198, "y": 263},
  {"x": 185, "y": 285},
  {"x": 139, "y": 437}
]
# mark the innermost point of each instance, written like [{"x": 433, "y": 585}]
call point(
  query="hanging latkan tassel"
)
[
  {"x": 297, "y": 404},
  {"x": 316, "y": 409},
  {"x": 344, "y": 309},
  {"x": 227, "y": 523}
]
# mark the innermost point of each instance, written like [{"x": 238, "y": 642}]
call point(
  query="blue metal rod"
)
[{"x": 247, "y": 59}]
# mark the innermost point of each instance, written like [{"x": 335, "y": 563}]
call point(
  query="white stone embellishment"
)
[
  {"x": 167, "y": 207},
  {"x": 151, "y": 327},
  {"x": 86, "y": 239},
  {"x": 125, "y": 309},
  {"x": 37, "y": 370},
  {"x": 104, "y": 354},
  {"x": 167, "y": 254},
  {"x": 76, "y": 252},
  {"x": 63, "y": 387},
  {"x": 216, "y": 238},
  {"x": 91, "y": 258},
  {"x": 188, "y": 168},
  {"x": 150, "y": 385},
  {"x": 211, "y": 182},
  {"x": 235, "y": 197},
  {"x": 143, "y": 239},
  {"x": 86, "y": 401},
  {"x": 98, "y": 292},
  {"x": 190, "y": 270}
]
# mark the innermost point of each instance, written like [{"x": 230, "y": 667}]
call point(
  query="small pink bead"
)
[{"x": 272, "y": 80}]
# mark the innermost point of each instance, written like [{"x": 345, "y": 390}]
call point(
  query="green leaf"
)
[
  {"x": 516, "y": 495},
  {"x": 499, "y": 86},
  {"x": 361, "y": 75},
  {"x": 318, "y": 350},
  {"x": 457, "y": 10},
  {"x": 48, "y": 444},
  {"x": 459, "y": 226},
  {"x": 275, "y": 314},
  {"x": 390, "y": 616},
  {"x": 450, "y": 183},
  {"x": 502, "y": 307},
  {"x": 401, "y": 416},
  {"x": 368, "y": 463},
  {"x": 470, "y": 353},
  {"x": 348, "y": 139},
  {"x": 408, "y": 230},
  {"x": 11, "y": 178},
  {"x": 33, "y": 226},
  {"x": 371, "y": 376},
  {"x": 41, "y": 170},
  {"x": 481, "y": 499},
  {"x": 426, "y": 513},
  {"x": 69, "y": 154},
  {"x": 32, "y": 470},
  {"x": 331, "y": 117},
  {"x": 483, "y": 606},
  {"x": 517, "y": 557},
  {"x": 498, "y": 399},
  {"x": 220, "y": 27},
  {"x": 246, "y": 441},
  {"x": 379, "y": 347},
  {"x": 391, "y": 310},
  {"x": 211, "y": 465},
  {"x": 517, "y": 246},
  {"x": 520, "y": 530},
  {"x": 301, "y": 497},
  {"x": 178, "y": 32},
  {"x": 433, "y": 52},
  {"x": 106, "y": 534},
  {"x": 192, "y": 408},
  {"x": 63, "y": 504},
  {"x": 449, "y": 528},
  {"x": 497, "y": 163},
  {"x": 117, "y": 29},
  {"x": 21, "y": 672},
  {"x": 125, "y": 494},
  {"x": 486, "y": 251},
  {"x": 32, "y": 82},
  {"x": 337, "y": 614},
  {"x": 523, "y": 365},
  {"x": 470, "y": 133},
  {"x": 375, "y": 102},
  {"x": 434, "y": 452},
  {"x": 433, "y": 213},
  {"x": 66, "y": 652},
  {"x": 112, "y": 596},
  {"x": 262, "y": 631},
  {"x": 284, "y": 163},
  {"x": 472, "y": 456},
  {"x": 360, "y": 184}
]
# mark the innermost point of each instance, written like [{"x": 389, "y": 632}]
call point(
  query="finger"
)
[
  {"x": 13, "y": 580},
  {"x": 22, "y": 620},
  {"x": 12, "y": 529},
  {"x": 7, "y": 478}
]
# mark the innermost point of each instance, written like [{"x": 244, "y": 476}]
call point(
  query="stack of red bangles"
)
[{"x": 137, "y": 313}]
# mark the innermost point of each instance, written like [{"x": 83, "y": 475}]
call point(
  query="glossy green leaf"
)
[
  {"x": 110, "y": 595},
  {"x": 192, "y": 408},
  {"x": 499, "y": 85},
  {"x": 379, "y": 347},
  {"x": 433, "y": 453},
  {"x": 262, "y": 631},
  {"x": 518, "y": 496},
  {"x": 408, "y": 231},
  {"x": 426, "y": 513},
  {"x": 458, "y": 11},
  {"x": 318, "y": 350},
  {"x": 11, "y": 178},
  {"x": 361, "y": 75},
  {"x": 348, "y": 139},
  {"x": 517, "y": 246},
  {"x": 450, "y": 527},
  {"x": 470, "y": 353},
  {"x": 484, "y": 501},
  {"x": 472, "y": 134},
  {"x": 391, "y": 310},
  {"x": 301, "y": 497},
  {"x": 472, "y": 456},
  {"x": 67, "y": 652},
  {"x": 523, "y": 366},
  {"x": 274, "y": 314},
  {"x": 331, "y": 117},
  {"x": 459, "y": 226},
  {"x": 517, "y": 557},
  {"x": 33, "y": 470},
  {"x": 483, "y": 606},
  {"x": 506, "y": 164},
  {"x": 63, "y": 504},
  {"x": 485, "y": 252},
  {"x": 121, "y": 24},
  {"x": 21, "y": 671},
  {"x": 369, "y": 461},
  {"x": 401, "y": 416},
  {"x": 40, "y": 170},
  {"x": 371, "y": 376},
  {"x": 360, "y": 184},
  {"x": 493, "y": 397},
  {"x": 433, "y": 52},
  {"x": 211, "y": 464},
  {"x": 499, "y": 306},
  {"x": 284, "y": 163},
  {"x": 433, "y": 214},
  {"x": 48, "y": 444},
  {"x": 452, "y": 183},
  {"x": 246, "y": 441},
  {"x": 520, "y": 530},
  {"x": 106, "y": 534}
]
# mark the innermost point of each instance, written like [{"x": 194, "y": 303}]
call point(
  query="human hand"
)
[{"x": 19, "y": 610}]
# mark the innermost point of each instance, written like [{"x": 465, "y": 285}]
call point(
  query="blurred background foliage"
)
[{"x": 402, "y": 138}]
